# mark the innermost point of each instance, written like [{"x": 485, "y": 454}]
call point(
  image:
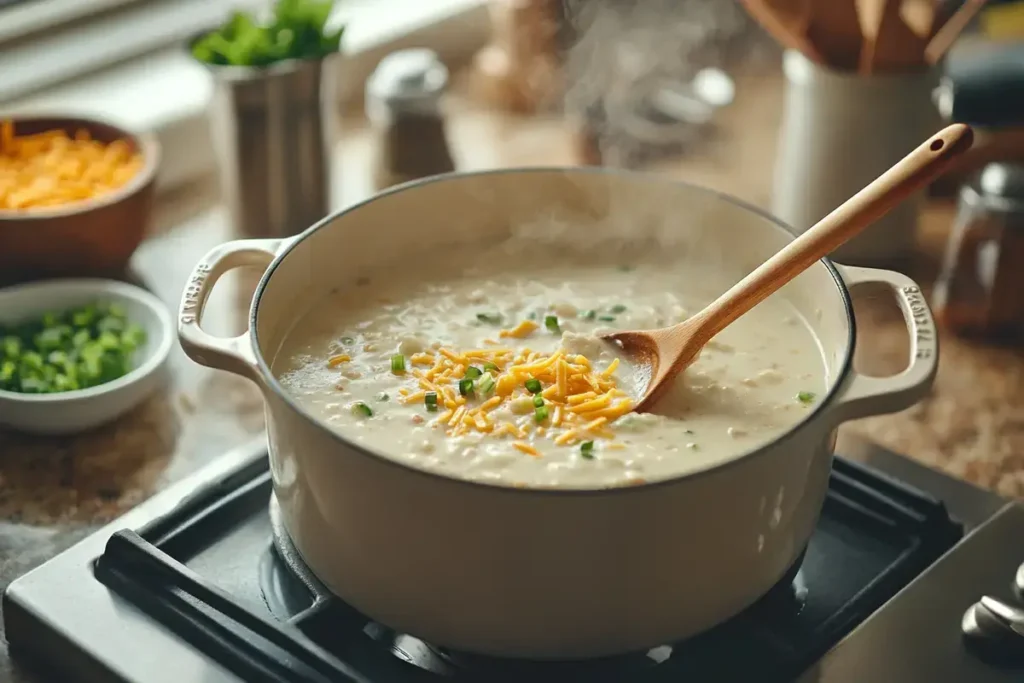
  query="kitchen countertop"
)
[{"x": 54, "y": 491}]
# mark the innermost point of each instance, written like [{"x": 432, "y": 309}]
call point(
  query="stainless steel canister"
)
[{"x": 273, "y": 129}]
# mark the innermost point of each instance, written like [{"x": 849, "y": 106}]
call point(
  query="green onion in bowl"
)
[
  {"x": 67, "y": 350},
  {"x": 87, "y": 351}
]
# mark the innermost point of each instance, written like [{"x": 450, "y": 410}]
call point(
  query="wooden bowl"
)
[{"x": 90, "y": 237}]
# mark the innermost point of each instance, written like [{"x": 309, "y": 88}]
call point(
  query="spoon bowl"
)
[{"x": 659, "y": 355}]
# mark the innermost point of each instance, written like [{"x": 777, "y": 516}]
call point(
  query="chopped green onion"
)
[
  {"x": 540, "y": 414},
  {"x": 489, "y": 318},
  {"x": 68, "y": 350},
  {"x": 466, "y": 386},
  {"x": 617, "y": 308},
  {"x": 606, "y": 318},
  {"x": 491, "y": 367},
  {"x": 806, "y": 397},
  {"x": 398, "y": 364},
  {"x": 693, "y": 447},
  {"x": 538, "y": 401},
  {"x": 687, "y": 431},
  {"x": 485, "y": 385},
  {"x": 383, "y": 396},
  {"x": 532, "y": 315},
  {"x": 361, "y": 408},
  {"x": 551, "y": 322},
  {"x": 587, "y": 450},
  {"x": 588, "y": 315},
  {"x": 431, "y": 400},
  {"x": 348, "y": 341},
  {"x": 472, "y": 372},
  {"x": 533, "y": 385}
]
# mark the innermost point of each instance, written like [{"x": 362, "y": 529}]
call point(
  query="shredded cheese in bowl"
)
[{"x": 51, "y": 168}]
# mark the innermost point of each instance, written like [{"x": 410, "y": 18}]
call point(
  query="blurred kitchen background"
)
[
  {"x": 616, "y": 74},
  {"x": 791, "y": 105},
  {"x": 625, "y": 82}
]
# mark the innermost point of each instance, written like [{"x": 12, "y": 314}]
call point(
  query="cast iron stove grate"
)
[{"x": 194, "y": 572}]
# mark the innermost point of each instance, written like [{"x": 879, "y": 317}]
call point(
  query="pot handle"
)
[
  {"x": 233, "y": 354},
  {"x": 861, "y": 395}
]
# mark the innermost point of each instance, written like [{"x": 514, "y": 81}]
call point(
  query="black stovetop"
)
[{"x": 216, "y": 573}]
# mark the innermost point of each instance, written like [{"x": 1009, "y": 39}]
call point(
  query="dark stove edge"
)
[
  {"x": 841, "y": 662},
  {"x": 25, "y": 633},
  {"x": 26, "y": 597},
  {"x": 978, "y": 505},
  {"x": 163, "y": 504},
  {"x": 967, "y": 503}
]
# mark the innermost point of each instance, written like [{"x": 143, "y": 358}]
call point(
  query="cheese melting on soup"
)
[{"x": 497, "y": 375}]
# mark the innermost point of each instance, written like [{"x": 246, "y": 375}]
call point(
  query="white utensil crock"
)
[{"x": 839, "y": 132}]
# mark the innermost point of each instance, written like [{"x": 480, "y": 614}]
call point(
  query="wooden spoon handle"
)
[{"x": 910, "y": 174}]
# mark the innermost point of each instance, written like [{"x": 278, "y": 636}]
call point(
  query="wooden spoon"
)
[{"x": 661, "y": 354}]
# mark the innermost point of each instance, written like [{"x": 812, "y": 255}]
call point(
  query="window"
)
[
  {"x": 22, "y": 17},
  {"x": 124, "y": 60},
  {"x": 43, "y": 42}
]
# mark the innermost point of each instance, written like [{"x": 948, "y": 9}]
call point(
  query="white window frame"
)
[
  {"x": 29, "y": 17},
  {"x": 148, "y": 82},
  {"x": 46, "y": 42}
]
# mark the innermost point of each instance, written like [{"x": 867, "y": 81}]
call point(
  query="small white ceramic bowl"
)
[{"x": 74, "y": 411}]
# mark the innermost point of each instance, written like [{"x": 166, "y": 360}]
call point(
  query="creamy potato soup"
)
[{"x": 493, "y": 372}]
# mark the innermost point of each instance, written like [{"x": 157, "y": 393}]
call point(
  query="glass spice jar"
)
[
  {"x": 980, "y": 290},
  {"x": 403, "y": 105}
]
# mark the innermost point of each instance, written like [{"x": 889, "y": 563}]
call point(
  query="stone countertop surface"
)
[{"x": 53, "y": 491}]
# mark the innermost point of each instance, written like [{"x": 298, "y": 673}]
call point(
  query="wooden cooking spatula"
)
[
  {"x": 835, "y": 30},
  {"x": 890, "y": 44},
  {"x": 787, "y": 21}
]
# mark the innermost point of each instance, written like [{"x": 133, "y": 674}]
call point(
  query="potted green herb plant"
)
[{"x": 272, "y": 114}]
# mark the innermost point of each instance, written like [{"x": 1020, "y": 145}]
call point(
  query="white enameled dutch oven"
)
[{"x": 546, "y": 573}]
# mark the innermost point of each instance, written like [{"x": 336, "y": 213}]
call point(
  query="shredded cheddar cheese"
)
[
  {"x": 520, "y": 331},
  {"x": 526, "y": 448},
  {"x": 52, "y": 168},
  {"x": 519, "y": 393}
]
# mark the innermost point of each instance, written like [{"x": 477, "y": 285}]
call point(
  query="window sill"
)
[{"x": 167, "y": 93}]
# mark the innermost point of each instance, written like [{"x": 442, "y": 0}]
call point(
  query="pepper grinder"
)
[
  {"x": 403, "y": 105},
  {"x": 978, "y": 292}
]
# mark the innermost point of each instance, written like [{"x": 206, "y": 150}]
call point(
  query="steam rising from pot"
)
[{"x": 617, "y": 50}]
